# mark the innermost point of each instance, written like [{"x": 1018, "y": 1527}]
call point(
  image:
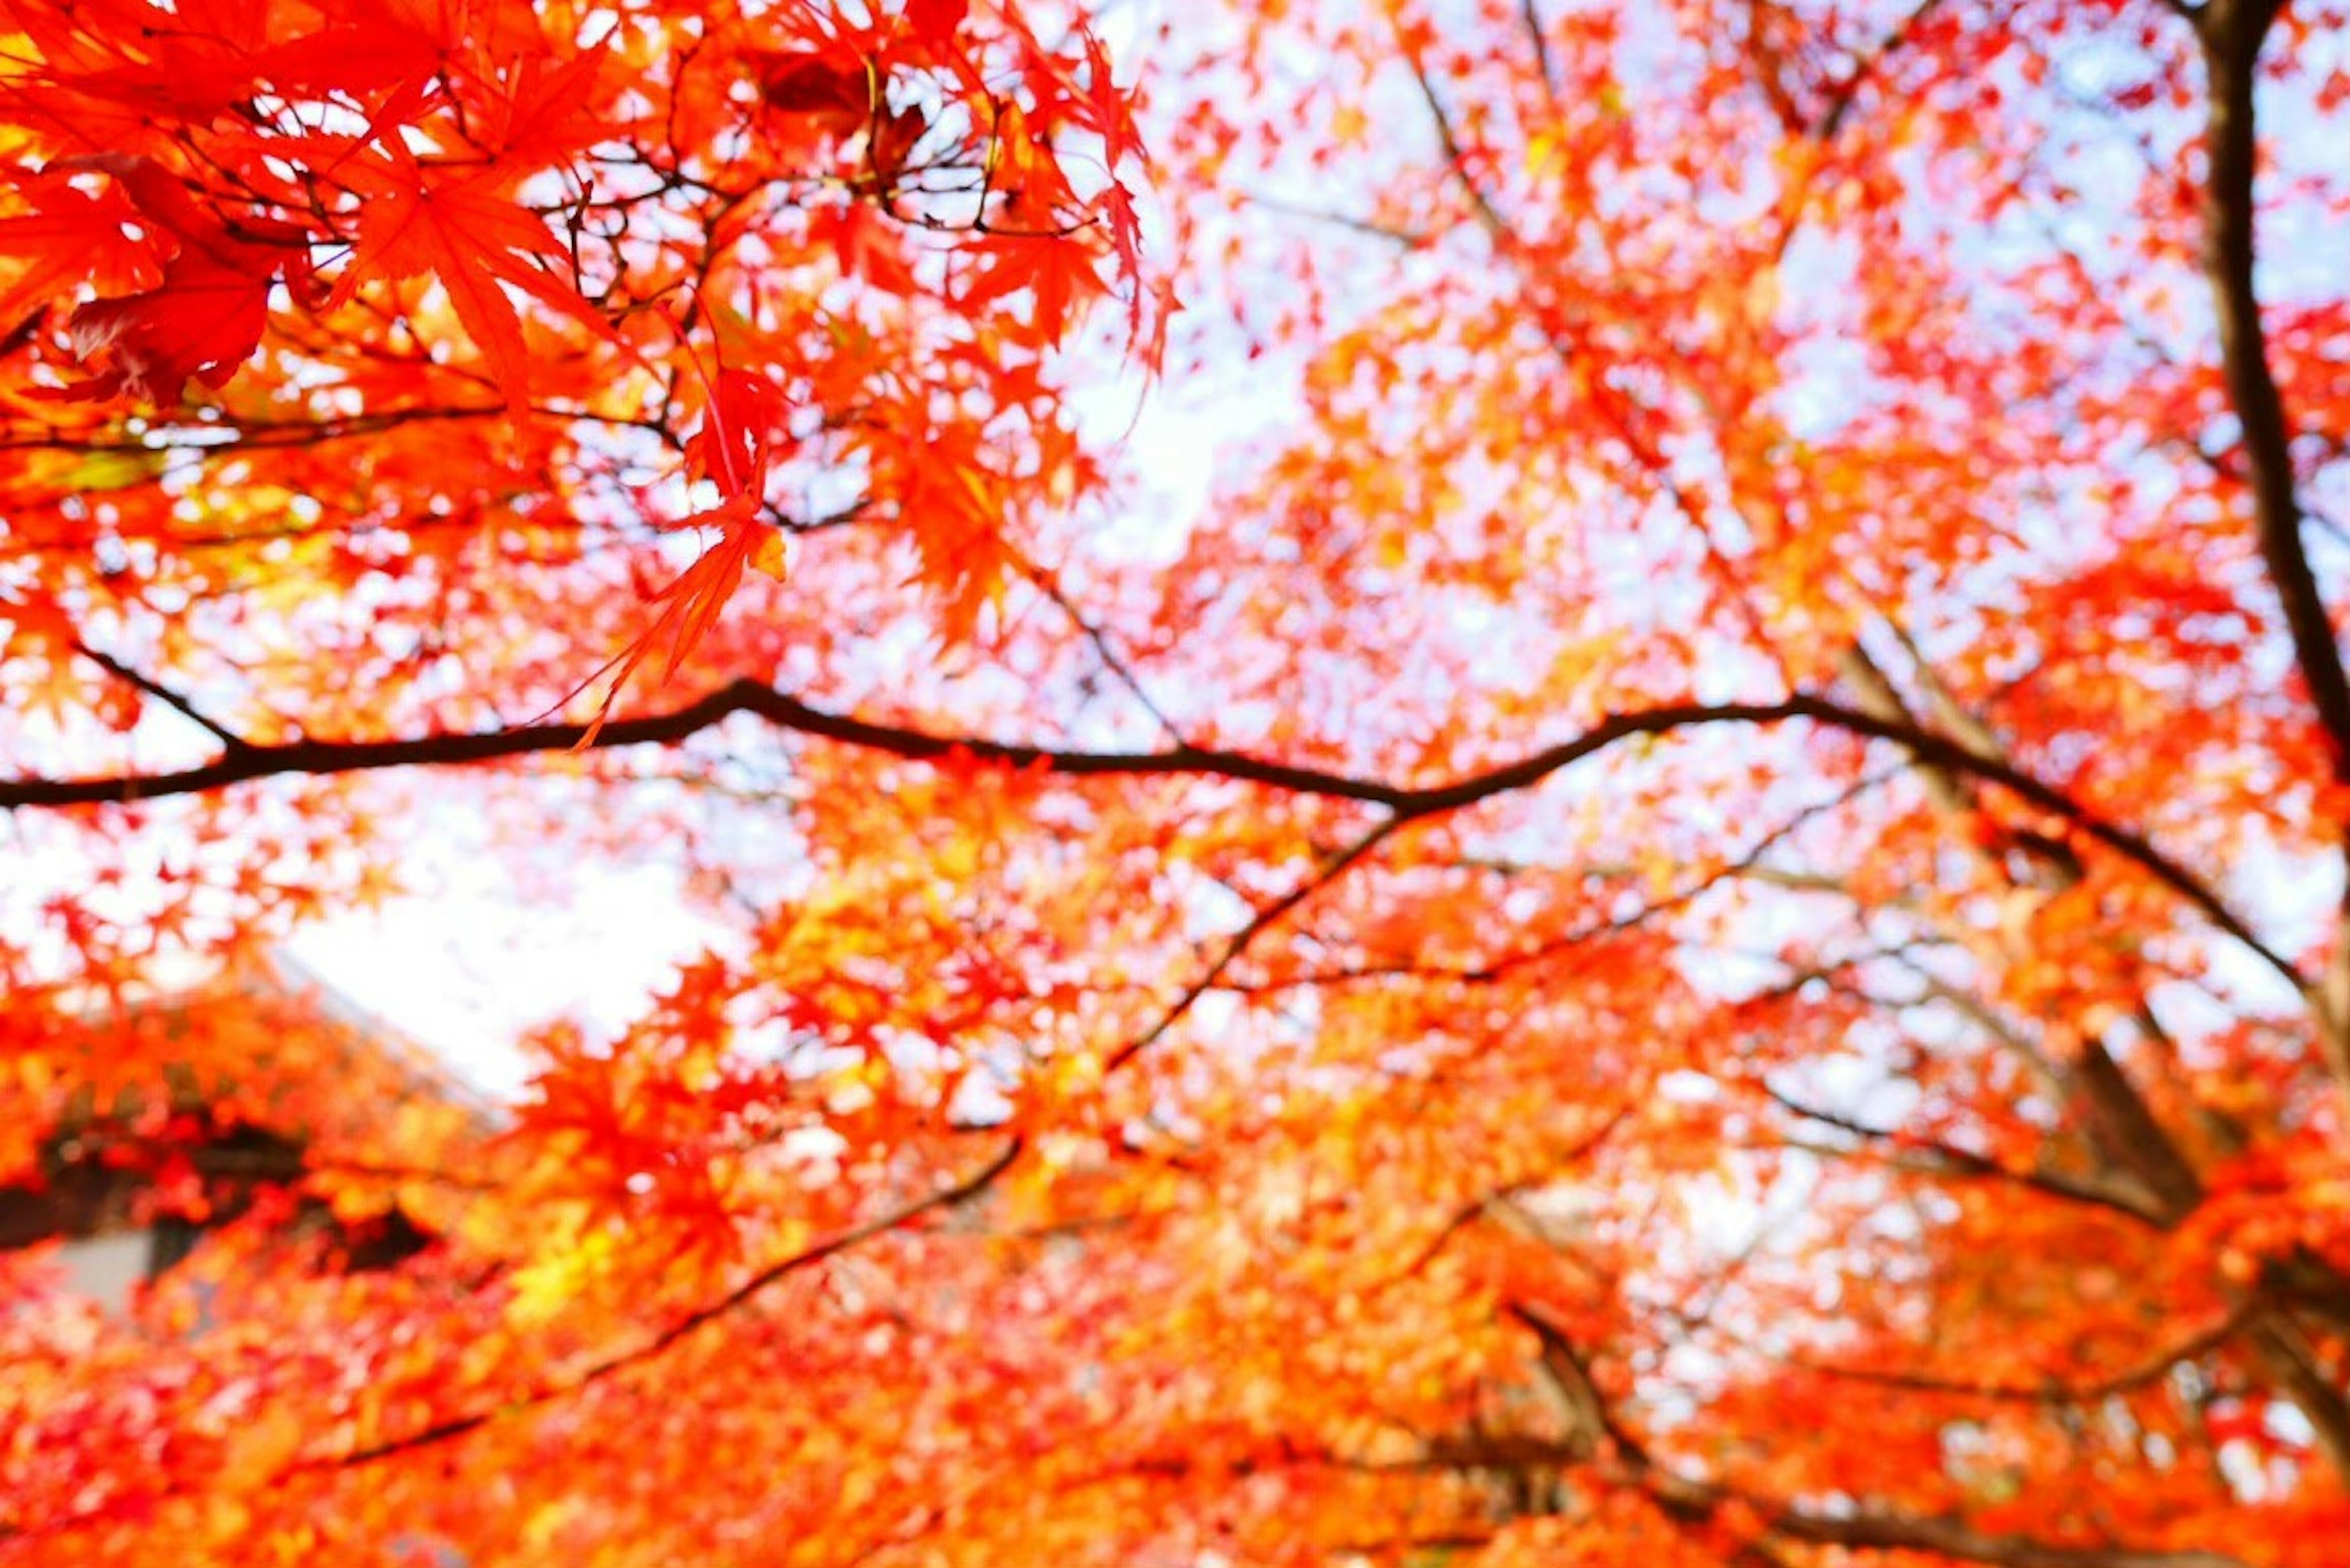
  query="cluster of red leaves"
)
[{"x": 412, "y": 208}]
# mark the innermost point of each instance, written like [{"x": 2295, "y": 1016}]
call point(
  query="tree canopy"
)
[{"x": 1652, "y": 872}]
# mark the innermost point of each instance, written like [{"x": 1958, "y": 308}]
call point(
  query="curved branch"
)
[
  {"x": 1897, "y": 1533},
  {"x": 2231, "y": 34},
  {"x": 612, "y": 1363},
  {"x": 249, "y": 763},
  {"x": 2150, "y": 1370},
  {"x": 1939, "y": 1158},
  {"x": 150, "y": 686},
  {"x": 1330, "y": 869},
  {"x": 1699, "y": 1503},
  {"x": 441, "y": 1431},
  {"x": 319, "y": 758}
]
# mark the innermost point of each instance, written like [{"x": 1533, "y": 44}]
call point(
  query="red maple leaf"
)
[
  {"x": 475, "y": 240},
  {"x": 735, "y": 450},
  {"x": 206, "y": 316}
]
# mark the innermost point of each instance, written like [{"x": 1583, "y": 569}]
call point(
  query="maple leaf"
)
[
  {"x": 936, "y": 22},
  {"x": 736, "y": 444},
  {"x": 70, "y": 236},
  {"x": 203, "y": 321},
  {"x": 198, "y": 66},
  {"x": 205, "y": 316},
  {"x": 828, "y": 93},
  {"x": 372, "y": 59},
  {"x": 865, "y": 244},
  {"x": 486, "y": 30},
  {"x": 894, "y": 137},
  {"x": 735, "y": 450},
  {"x": 470, "y": 234},
  {"x": 541, "y": 112}
]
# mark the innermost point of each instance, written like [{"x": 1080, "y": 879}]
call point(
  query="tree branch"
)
[
  {"x": 2231, "y": 33},
  {"x": 1456, "y": 156},
  {"x": 1697, "y": 1502},
  {"x": 161, "y": 693},
  {"x": 1328, "y": 870},
  {"x": 1898, "y": 1532},
  {"x": 450, "y": 1427},
  {"x": 2152, "y": 1369},
  {"x": 1865, "y": 67},
  {"x": 249, "y": 762},
  {"x": 441, "y": 1431},
  {"x": 1945, "y": 1159}
]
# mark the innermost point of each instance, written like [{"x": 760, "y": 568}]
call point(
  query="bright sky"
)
[{"x": 464, "y": 964}]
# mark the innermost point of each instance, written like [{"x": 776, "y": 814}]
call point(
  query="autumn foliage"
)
[{"x": 1474, "y": 782}]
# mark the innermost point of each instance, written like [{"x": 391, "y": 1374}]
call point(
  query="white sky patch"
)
[{"x": 467, "y": 963}]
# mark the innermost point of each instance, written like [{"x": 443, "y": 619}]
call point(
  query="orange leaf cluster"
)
[{"x": 1650, "y": 874}]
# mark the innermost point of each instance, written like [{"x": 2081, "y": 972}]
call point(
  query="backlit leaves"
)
[{"x": 1642, "y": 877}]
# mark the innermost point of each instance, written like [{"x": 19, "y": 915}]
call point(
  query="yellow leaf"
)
[{"x": 772, "y": 556}]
